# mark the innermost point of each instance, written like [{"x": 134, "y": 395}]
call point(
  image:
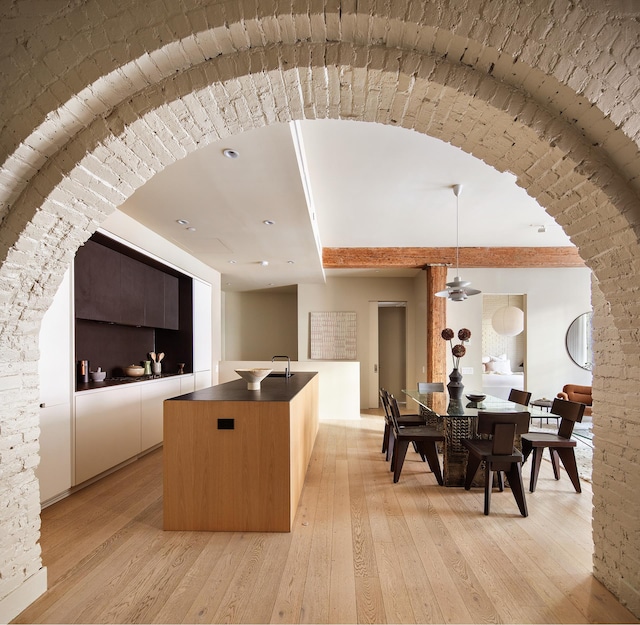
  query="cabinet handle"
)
[{"x": 43, "y": 405}]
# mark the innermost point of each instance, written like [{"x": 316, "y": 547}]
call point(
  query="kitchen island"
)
[{"x": 236, "y": 460}]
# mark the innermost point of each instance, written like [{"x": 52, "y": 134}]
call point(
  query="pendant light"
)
[
  {"x": 508, "y": 320},
  {"x": 458, "y": 289}
]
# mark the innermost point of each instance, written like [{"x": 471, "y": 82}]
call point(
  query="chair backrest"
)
[
  {"x": 519, "y": 397},
  {"x": 570, "y": 412},
  {"x": 487, "y": 421},
  {"x": 394, "y": 411},
  {"x": 430, "y": 387},
  {"x": 384, "y": 399}
]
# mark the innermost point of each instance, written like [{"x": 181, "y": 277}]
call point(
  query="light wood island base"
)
[{"x": 248, "y": 478}]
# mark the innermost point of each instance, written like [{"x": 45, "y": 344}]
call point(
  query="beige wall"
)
[
  {"x": 354, "y": 295},
  {"x": 259, "y": 325}
]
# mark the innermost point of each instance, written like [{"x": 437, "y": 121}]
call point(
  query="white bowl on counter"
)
[
  {"x": 253, "y": 377},
  {"x": 134, "y": 371}
]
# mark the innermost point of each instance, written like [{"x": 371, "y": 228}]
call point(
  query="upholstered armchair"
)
[{"x": 581, "y": 394}]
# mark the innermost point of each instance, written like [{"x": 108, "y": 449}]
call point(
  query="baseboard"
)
[{"x": 23, "y": 596}]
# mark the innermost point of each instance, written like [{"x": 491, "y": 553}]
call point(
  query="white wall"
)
[{"x": 554, "y": 298}]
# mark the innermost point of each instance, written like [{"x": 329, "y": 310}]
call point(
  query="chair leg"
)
[
  {"x": 535, "y": 468},
  {"x": 473, "y": 463},
  {"x": 390, "y": 446},
  {"x": 500, "y": 479},
  {"x": 555, "y": 462},
  {"x": 416, "y": 448},
  {"x": 517, "y": 487},
  {"x": 430, "y": 451},
  {"x": 385, "y": 437},
  {"x": 568, "y": 458},
  {"x": 399, "y": 456},
  {"x": 488, "y": 485}
]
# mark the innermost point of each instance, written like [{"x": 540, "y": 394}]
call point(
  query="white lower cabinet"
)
[
  {"x": 118, "y": 423},
  {"x": 203, "y": 379},
  {"x": 107, "y": 430},
  {"x": 151, "y": 409},
  {"x": 187, "y": 384},
  {"x": 54, "y": 470}
]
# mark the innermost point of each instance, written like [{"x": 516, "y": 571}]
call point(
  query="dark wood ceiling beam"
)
[{"x": 419, "y": 257}]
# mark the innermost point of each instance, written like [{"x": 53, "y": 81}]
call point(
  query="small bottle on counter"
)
[{"x": 83, "y": 371}]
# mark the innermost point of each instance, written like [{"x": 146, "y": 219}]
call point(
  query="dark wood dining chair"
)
[
  {"x": 424, "y": 437},
  {"x": 561, "y": 446},
  {"x": 406, "y": 419},
  {"x": 519, "y": 397},
  {"x": 498, "y": 454}
]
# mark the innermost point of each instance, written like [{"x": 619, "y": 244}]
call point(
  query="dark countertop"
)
[
  {"x": 271, "y": 389},
  {"x": 88, "y": 386}
]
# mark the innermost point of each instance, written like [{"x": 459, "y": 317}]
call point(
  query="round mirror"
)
[{"x": 579, "y": 343}]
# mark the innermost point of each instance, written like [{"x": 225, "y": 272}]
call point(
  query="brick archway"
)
[{"x": 70, "y": 164}]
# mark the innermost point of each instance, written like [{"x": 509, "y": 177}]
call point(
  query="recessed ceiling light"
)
[
  {"x": 191, "y": 229},
  {"x": 268, "y": 222},
  {"x": 264, "y": 263},
  {"x": 291, "y": 262},
  {"x": 233, "y": 262},
  {"x": 182, "y": 222},
  {"x": 229, "y": 153}
]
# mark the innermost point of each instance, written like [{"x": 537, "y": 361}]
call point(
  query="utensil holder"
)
[{"x": 156, "y": 367}]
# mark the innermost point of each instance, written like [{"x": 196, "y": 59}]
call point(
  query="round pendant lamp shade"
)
[{"x": 508, "y": 321}]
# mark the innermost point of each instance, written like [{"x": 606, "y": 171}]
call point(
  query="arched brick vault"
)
[{"x": 493, "y": 82}]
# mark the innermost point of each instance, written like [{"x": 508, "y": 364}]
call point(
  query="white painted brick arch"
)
[{"x": 98, "y": 101}]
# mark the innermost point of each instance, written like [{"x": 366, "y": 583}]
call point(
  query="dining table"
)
[{"x": 458, "y": 420}]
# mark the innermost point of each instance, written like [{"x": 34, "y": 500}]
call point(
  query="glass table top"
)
[{"x": 441, "y": 405}]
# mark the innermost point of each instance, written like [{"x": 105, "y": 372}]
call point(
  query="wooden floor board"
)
[{"x": 362, "y": 549}]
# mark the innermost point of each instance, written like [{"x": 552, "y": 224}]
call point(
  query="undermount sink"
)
[{"x": 280, "y": 374}]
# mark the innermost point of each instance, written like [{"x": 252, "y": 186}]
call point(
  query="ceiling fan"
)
[{"x": 458, "y": 289}]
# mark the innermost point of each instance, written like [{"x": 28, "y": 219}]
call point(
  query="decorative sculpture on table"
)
[{"x": 455, "y": 386}]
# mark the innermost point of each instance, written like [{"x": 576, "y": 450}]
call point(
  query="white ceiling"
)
[{"x": 371, "y": 185}]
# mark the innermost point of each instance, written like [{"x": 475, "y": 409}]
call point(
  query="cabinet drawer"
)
[
  {"x": 107, "y": 430},
  {"x": 153, "y": 396}
]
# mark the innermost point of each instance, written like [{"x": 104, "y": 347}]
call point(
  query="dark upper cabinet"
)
[
  {"x": 132, "y": 300},
  {"x": 153, "y": 298},
  {"x": 171, "y": 302},
  {"x": 111, "y": 286},
  {"x": 97, "y": 279}
]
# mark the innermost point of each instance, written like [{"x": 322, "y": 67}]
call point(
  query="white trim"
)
[
  {"x": 136, "y": 248},
  {"x": 23, "y": 596}
]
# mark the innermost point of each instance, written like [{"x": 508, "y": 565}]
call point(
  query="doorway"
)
[
  {"x": 392, "y": 347},
  {"x": 503, "y": 353}
]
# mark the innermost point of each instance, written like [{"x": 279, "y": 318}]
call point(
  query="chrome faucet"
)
[{"x": 287, "y": 371}]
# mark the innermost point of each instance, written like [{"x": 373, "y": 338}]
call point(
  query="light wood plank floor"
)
[{"x": 362, "y": 550}]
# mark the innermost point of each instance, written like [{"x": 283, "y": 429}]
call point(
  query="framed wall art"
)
[{"x": 333, "y": 335}]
